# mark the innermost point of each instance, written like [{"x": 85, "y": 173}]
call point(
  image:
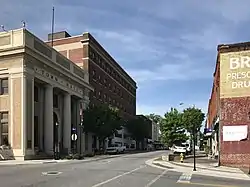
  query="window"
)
[
  {"x": 105, "y": 82},
  {"x": 55, "y": 101},
  {"x": 93, "y": 74},
  {"x": 104, "y": 97},
  {"x": 4, "y": 129},
  {"x": 4, "y": 86},
  {"x": 35, "y": 93}
]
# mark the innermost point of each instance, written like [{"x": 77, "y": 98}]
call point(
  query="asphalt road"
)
[{"x": 124, "y": 171}]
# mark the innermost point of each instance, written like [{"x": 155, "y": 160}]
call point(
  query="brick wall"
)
[{"x": 235, "y": 111}]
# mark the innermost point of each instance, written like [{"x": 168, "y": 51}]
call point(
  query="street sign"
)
[
  {"x": 74, "y": 137},
  {"x": 73, "y": 128}
]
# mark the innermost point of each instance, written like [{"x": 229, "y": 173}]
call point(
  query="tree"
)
[
  {"x": 140, "y": 128},
  {"x": 155, "y": 118},
  {"x": 102, "y": 120},
  {"x": 172, "y": 128},
  {"x": 192, "y": 119}
]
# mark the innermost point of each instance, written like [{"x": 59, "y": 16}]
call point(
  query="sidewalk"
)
[
  {"x": 202, "y": 169},
  {"x": 51, "y": 161}
]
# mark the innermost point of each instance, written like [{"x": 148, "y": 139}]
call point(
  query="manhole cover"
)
[{"x": 51, "y": 173}]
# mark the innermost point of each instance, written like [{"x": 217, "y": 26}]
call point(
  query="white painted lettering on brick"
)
[{"x": 239, "y": 79}]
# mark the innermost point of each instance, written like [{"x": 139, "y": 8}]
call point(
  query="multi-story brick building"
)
[
  {"x": 229, "y": 105},
  {"x": 112, "y": 85}
]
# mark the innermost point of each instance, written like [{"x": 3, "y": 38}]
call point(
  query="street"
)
[{"x": 126, "y": 170}]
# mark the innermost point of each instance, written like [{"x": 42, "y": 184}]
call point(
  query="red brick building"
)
[
  {"x": 111, "y": 83},
  {"x": 229, "y": 105}
]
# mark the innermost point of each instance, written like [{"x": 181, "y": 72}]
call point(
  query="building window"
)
[
  {"x": 4, "y": 86},
  {"x": 4, "y": 129},
  {"x": 93, "y": 74},
  {"x": 99, "y": 95},
  {"x": 35, "y": 93},
  {"x": 105, "y": 82},
  {"x": 104, "y": 97},
  {"x": 55, "y": 101}
]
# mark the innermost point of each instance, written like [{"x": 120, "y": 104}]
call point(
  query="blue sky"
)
[{"x": 168, "y": 47}]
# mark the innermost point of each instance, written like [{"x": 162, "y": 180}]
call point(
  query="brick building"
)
[
  {"x": 229, "y": 106},
  {"x": 112, "y": 85}
]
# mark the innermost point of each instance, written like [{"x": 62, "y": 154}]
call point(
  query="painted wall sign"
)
[
  {"x": 235, "y": 74},
  {"x": 235, "y": 133}
]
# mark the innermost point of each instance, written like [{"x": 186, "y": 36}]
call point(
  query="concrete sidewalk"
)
[
  {"x": 52, "y": 161},
  {"x": 212, "y": 170}
]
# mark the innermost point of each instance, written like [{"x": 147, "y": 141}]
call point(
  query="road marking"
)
[
  {"x": 52, "y": 173},
  {"x": 185, "y": 178},
  {"x": 155, "y": 179},
  {"x": 207, "y": 184},
  {"x": 118, "y": 176}
]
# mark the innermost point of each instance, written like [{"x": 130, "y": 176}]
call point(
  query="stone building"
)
[{"x": 41, "y": 95}]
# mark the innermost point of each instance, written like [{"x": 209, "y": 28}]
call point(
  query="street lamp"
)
[
  {"x": 56, "y": 149},
  {"x": 81, "y": 126},
  {"x": 194, "y": 140}
]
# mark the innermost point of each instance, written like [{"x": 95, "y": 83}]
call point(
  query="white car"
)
[
  {"x": 179, "y": 149},
  {"x": 115, "y": 148}
]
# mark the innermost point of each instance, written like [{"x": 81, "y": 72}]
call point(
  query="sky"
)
[{"x": 168, "y": 46}]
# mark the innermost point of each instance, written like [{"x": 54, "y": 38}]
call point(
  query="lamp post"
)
[
  {"x": 56, "y": 149},
  {"x": 81, "y": 126},
  {"x": 194, "y": 139}
]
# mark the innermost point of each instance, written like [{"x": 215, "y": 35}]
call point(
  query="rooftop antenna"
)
[
  {"x": 53, "y": 24},
  {"x": 23, "y": 24},
  {"x": 2, "y": 27}
]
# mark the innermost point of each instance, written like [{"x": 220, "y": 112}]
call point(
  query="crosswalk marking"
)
[{"x": 185, "y": 178}]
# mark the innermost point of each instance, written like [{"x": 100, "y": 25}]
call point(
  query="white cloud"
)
[
  {"x": 184, "y": 70},
  {"x": 162, "y": 109}
]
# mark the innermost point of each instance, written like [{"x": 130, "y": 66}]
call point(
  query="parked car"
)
[
  {"x": 115, "y": 148},
  {"x": 179, "y": 149}
]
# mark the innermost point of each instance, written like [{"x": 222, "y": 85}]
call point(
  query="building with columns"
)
[{"x": 40, "y": 97}]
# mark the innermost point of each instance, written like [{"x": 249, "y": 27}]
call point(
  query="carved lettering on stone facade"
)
[{"x": 57, "y": 80}]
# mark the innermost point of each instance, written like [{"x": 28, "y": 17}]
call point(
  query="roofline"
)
[{"x": 46, "y": 41}]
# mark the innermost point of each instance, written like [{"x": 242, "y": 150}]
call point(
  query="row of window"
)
[
  {"x": 107, "y": 99},
  {"x": 114, "y": 89},
  {"x": 109, "y": 70}
]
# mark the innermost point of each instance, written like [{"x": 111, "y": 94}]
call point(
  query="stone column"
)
[
  {"x": 48, "y": 120},
  {"x": 67, "y": 122}
]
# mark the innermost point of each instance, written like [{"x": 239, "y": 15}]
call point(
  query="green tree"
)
[
  {"x": 172, "y": 128},
  {"x": 102, "y": 120},
  {"x": 139, "y": 128},
  {"x": 155, "y": 118},
  {"x": 192, "y": 119}
]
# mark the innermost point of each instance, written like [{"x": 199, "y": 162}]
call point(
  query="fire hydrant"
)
[{"x": 181, "y": 157}]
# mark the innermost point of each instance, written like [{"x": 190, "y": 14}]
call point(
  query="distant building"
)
[
  {"x": 155, "y": 132},
  {"x": 228, "y": 117},
  {"x": 40, "y": 97}
]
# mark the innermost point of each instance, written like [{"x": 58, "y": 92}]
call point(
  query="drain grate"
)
[{"x": 52, "y": 173}]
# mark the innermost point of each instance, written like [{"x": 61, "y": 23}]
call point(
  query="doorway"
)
[{"x": 55, "y": 133}]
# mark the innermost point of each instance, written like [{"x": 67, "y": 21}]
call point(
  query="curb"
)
[
  {"x": 201, "y": 171},
  {"x": 56, "y": 161}
]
